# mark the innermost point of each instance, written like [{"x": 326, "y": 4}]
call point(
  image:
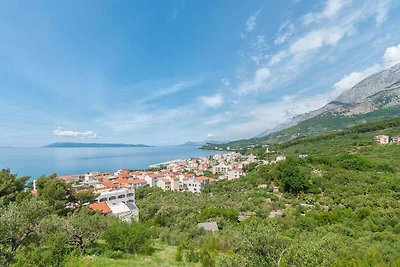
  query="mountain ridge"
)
[{"x": 375, "y": 97}]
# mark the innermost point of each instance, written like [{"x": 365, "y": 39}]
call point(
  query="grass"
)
[{"x": 163, "y": 257}]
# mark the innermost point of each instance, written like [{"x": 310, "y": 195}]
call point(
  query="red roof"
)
[
  {"x": 124, "y": 174},
  {"x": 110, "y": 184},
  {"x": 123, "y": 181},
  {"x": 139, "y": 181},
  {"x": 100, "y": 206},
  {"x": 204, "y": 178}
]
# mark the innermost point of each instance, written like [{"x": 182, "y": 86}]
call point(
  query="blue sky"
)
[{"x": 166, "y": 72}]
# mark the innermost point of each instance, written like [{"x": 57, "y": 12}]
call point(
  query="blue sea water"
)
[{"x": 63, "y": 161}]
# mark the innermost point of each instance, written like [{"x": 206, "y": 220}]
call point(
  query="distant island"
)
[{"x": 70, "y": 144}]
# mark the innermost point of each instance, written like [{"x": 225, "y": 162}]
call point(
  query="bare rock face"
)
[{"x": 378, "y": 82}]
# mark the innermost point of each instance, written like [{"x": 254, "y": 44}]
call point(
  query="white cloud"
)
[
  {"x": 391, "y": 56},
  {"x": 225, "y": 82},
  {"x": 157, "y": 91},
  {"x": 286, "y": 30},
  {"x": 245, "y": 122},
  {"x": 258, "y": 82},
  {"x": 310, "y": 43},
  {"x": 381, "y": 11},
  {"x": 332, "y": 7},
  {"x": 212, "y": 101},
  {"x": 252, "y": 22},
  {"x": 68, "y": 133},
  {"x": 317, "y": 39},
  {"x": 210, "y": 135}
]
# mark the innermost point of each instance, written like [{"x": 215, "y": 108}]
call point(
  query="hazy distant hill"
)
[
  {"x": 374, "y": 98},
  {"x": 70, "y": 144}
]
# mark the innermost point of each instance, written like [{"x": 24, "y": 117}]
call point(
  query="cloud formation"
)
[
  {"x": 68, "y": 133},
  {"x": 252, "y": 22},
  {"x": 212, "y": 101},
  {"x": 391, "y": 56},
  {"x": 332, "y": 7}
]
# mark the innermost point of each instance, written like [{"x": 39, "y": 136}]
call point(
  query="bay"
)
[{"x": 64, "y": 161}]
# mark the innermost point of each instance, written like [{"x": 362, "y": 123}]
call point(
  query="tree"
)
[
  {"x": 19, "y": 221},
  {"x": 131, "y": 238},
  {"x": 258, "y": 244},
  {"x": 56, "y": 192},
  {"x": 81, "y": 198},
  {"x": 84, "y": 228},
  {"x": 12, "y": 188},
  {"x": 293, "y": 178}
]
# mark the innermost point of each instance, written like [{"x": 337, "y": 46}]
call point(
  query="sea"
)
[{"x": 35, "y": 162}]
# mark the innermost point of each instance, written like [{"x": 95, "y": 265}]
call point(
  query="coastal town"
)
[{"x": 116, "y": 191}]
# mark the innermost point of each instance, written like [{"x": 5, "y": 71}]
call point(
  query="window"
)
[
  {"x": 112, "y": 198},
  {"x": 104, "y": 199},
  {"x": 130, "y": 195},
  {"x": 121, "y": 196}
]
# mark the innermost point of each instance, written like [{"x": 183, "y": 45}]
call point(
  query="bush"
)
[{"x": 132, "y": 238}]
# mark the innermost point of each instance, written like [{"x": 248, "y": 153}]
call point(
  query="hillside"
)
[
  {"x": 374, "y": 98},
  {"x": 337, "y": 206}
]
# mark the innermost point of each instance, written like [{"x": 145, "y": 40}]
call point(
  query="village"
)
[
  {"x": 116, "y": 191},
  {"x": 386, "y": 139}
]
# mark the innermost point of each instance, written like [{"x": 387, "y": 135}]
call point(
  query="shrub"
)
[{"x": 131, "y": 238}]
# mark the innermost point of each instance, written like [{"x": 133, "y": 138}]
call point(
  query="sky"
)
[{"x": 168, "y": 72}]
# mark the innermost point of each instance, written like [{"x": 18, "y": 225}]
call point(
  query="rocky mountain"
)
[
  {"x": 380, "y": 90},
  {"x": 376, "y": 97}
]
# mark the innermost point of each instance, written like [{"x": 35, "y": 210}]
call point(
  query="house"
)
[
  {"x": 235, "y": 173},
  {"x": 152, "y": 178},
  {"x": 124, "y": 211},
  {"x": 221, "y": 168},
  {"x": 112, "y": 196},
  {"x": 382, "y": 139},
  {"x": 396, "y": 139},
  {"x": 195, "y": 185},
  {"x": 280, "y": 158},
  {"x": 117, "y": 202},
  {"x": 251, "y": 158},
  {"x": 209, "y": 226}
]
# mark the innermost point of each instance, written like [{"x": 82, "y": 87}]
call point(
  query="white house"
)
[
  {"x": 235, "y": 173},
  {"x": 117, "y": 202},
  {"x": 112, "y": 196},
  {"x": 169, "y": 183},
  {"x": 382, "y": 139},
  {"x": 195, "y": 185},
  {"x": 152, "y": 179},
  {"x": 280, "y": 158},
  {"x": 221, "y": 168}
]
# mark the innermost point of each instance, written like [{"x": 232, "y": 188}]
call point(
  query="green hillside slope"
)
[{"x": 314, "y": 126}]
